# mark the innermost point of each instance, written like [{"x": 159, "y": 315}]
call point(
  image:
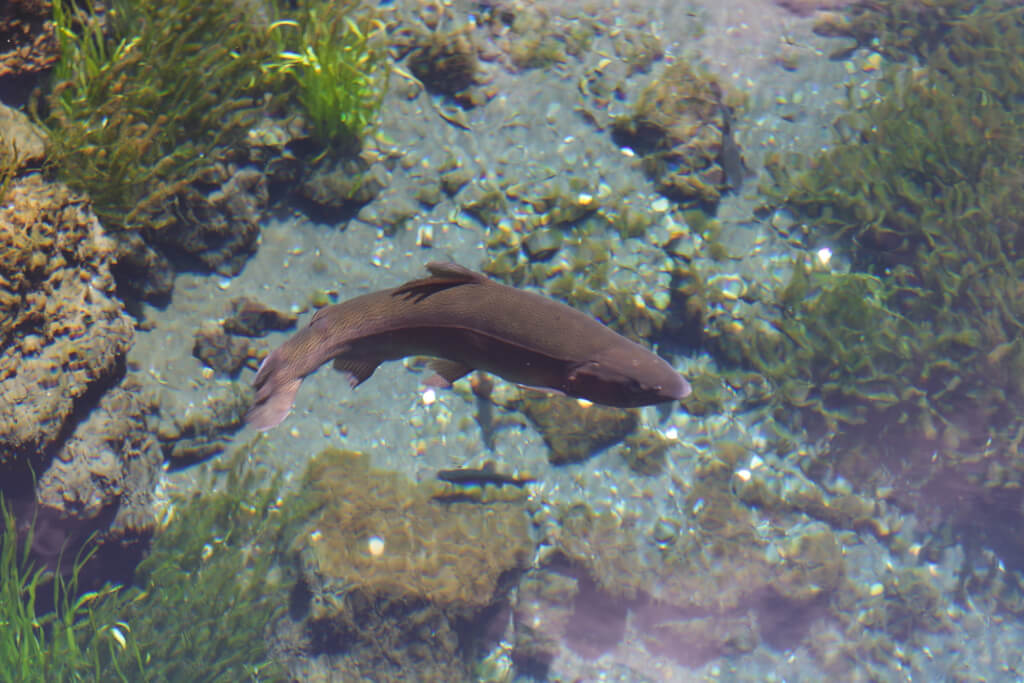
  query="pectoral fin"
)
[
  {"x": 447, "y": 372},
  {"x": 358, "y": 371}
]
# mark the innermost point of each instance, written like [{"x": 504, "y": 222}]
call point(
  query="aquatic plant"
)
[
  {"x": 338, "y": 62},
  {"x": 80, "y": 637},
  {"x": 898, "y": 29},
  {"x": 923, "y": 186},
  {"x": 211, "y": 585},
  {"x": 144, "y": 96},
  {"x": 836, "y": 350},
  {"x": 207, "y": 594}
]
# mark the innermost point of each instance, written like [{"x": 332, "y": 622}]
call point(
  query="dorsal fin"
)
[
  {"x": 442, "y": 276},
  {"x": 453, "y": 271},
  {"x": 319, "y": 314}
]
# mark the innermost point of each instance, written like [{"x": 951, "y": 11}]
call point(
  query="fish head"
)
[{"x": 626, "y": 376}]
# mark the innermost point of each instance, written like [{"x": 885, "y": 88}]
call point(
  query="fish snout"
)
[{"x": 675, "y": 388}]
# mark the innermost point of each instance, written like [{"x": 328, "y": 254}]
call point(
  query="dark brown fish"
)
[
  {"x": 468, "y": 322},
  {"x": 479, "y": 476}
]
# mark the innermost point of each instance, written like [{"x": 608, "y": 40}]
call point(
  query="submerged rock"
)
[
  {"x": 219, "y": 350},
  {"x": 574, "y": 432},
  {"x": 445, "y": 62},
  {"x": 251, "y": 318},
  {"x": 680, "y": 126},
  {"x": 21, "y": 142},
  {"x": 28, "y": 43},
  {"x": 109, "y": 464},
  {"x": 70, "y": 422},
  {"x": 63, "y": 334},
  {"x": 391, "y": 572}
]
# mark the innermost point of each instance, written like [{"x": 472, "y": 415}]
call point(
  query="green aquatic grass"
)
[
  {"x": 207, "y": 597},
  {"x": 337, "y": 61},
  {"x": 144, "y": 97},
  {"x": 147, "y": 95},
  {"x": 213, "y": 587},
  {"x": 82, "y": 639}
]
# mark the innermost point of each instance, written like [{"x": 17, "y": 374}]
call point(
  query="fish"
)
[
  {"x": 465, "y": 321},
  {"x": 487, "y": 474},
  {"x": 730, "y": 158}
]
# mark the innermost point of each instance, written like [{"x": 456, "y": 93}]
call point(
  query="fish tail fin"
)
[{"x": 275, "y": 394}]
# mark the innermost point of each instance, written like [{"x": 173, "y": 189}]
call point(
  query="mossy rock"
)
[
  {"x": 449, "y": 554},
  {"x": 574, "y": 432},
  {"x": 678, "y": 126},
  {"x": 64, "y": 332}
]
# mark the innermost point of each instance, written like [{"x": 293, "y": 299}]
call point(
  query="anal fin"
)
[
  {"x": 447, "y": 372},
  {"x": 358, "y": 371}
]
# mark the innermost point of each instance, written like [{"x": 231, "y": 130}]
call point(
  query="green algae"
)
[
  {"x": 392, "y": 573},
  {"x": 897, "y": 29},
  {"x": 645, "y": 451},
  {"x": 836, "y": 350},
  {"x": 910, "y": 365},
  {"x": 678, "y": 127},
  {"x": 148, "y": 97},
  {"x": 426, "y": 553},
  {"x": 573, "y": 432}
]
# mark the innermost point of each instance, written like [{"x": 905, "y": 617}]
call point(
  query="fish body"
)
[
  {"x": 481, "y": 476},
  {"x": 467, "y": 322}
]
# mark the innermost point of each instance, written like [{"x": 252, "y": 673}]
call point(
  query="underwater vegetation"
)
[
  {"x": 211, "y": 585},
  {"x": 896, "y": 29},
  {"x": 911, "y": 363},
  {"x": 145, "y": 98},
  {"x": 396, "y": 577},
  {"x": 50, "y": 630},
  {"x": 338, "y": 63},
  {"x": 678, "y": 126},
  {"x": 202, "y": 608},
  {"x": 923, "y": 187},
  {"x": 709, "y": 578},
  {"x": 153, "y": 115}
]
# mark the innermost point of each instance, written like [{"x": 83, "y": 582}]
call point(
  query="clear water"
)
[{"x": 838, "y": 497}]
